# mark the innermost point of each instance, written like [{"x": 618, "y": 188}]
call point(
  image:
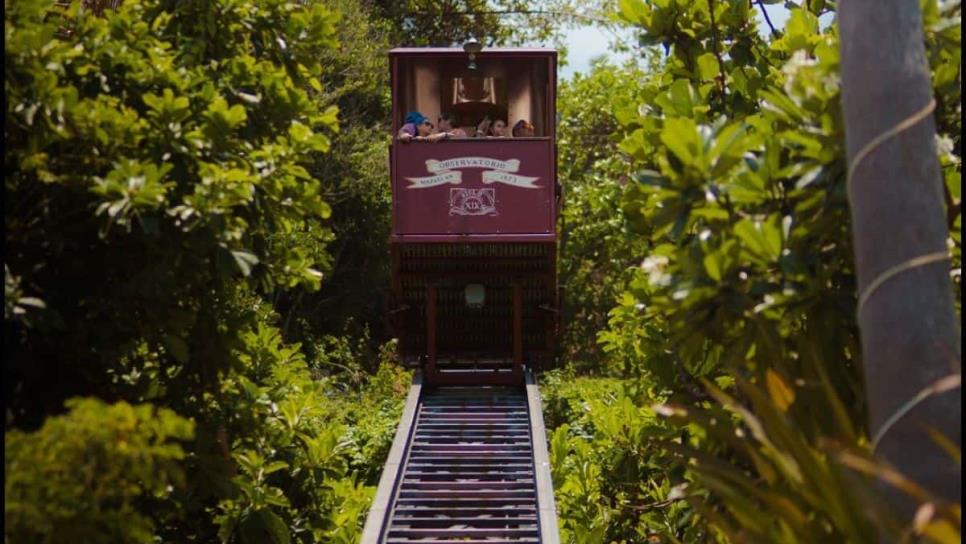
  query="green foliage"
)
[
  {"x": 372, "y": 419},
  {"x": 425, "y": 23},
  {"x": 612, "y": 481},
  {"x": 284, "y": 447},
  {"x": 279, "y": 456},
  {"x": 785, "y": 486},
  {"x": 355, "y": 173},
  {"x": 297, "y": 457},
  {"x": 942, "y": 27},
  {"x": 87, "y": 475},
  {"x": 595, "y": 254},
  {"x": 739, "y": 322},
  {"x": 15, "y": 305},
  {"x": 173, "y": 135},
  {"x": 163, "y": 184}
]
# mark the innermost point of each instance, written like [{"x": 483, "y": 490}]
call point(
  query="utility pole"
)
[{"x": 910, "y": 334}]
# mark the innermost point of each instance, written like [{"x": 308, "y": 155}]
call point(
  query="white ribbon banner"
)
[
  {"x": 436, "y": 167},
  {"x": 526, "y": 182},
  {"x": 454, "y": 178},
  {"x": 502, "y": 172}
]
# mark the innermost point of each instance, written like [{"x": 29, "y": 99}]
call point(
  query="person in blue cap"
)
[{"x": 417, "y": 126}]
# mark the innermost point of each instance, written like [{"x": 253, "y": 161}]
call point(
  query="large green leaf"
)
[
  {"x": 264, "y": 526},
  {"x": 762, "y": 239},
  {"x": 680, "y": 135}
]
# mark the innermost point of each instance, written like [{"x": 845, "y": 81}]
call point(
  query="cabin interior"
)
[{"x": 509, "y": 88}]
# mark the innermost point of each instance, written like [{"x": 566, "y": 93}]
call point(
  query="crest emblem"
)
[{"x": 472, "y": 201}]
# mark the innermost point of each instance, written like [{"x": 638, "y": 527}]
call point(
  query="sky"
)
[{"x": 587, "y": 42}]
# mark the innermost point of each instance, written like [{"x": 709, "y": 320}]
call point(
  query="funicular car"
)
[{"x": 473, "y": 242}]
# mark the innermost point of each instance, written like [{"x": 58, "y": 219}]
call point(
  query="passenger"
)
[
  {"x": 523, "y": 129},
  {"x": 483, "y": 128},
  {"x": 491, "y": 129},
  {"x": 447, "y": 126},
  {"x": 417, "y": 127}
]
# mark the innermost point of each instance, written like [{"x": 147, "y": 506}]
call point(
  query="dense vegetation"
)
[
  {"x": 196, "y": 211},
  {"x": 730, "y": 405},
  {"x": 162, "y": 193}
]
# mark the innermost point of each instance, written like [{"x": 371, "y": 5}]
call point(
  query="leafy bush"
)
[
  {"x": 779, "y": 484},
  {"x": 87, "y": 475},
  {"x": 612, "y": 481},
  {"x": 304, "y": 455},
  {"x": 373, "y": 414},
  {"x": 159, "y": 192},
  {"x": 155, "y": 159},
  {"x": 355, "y": 171},
  {"x": 738, "y": 325},
  {"x": 595, "y": 253}
]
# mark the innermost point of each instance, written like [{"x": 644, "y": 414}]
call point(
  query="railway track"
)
[{"x": 468, "y": 466}]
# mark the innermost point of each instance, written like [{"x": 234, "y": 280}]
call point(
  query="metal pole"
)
[
  {"x": 517, "y": 329},
  {"x": 431, "y": 334},
  {"x": 910, "y": 334}
]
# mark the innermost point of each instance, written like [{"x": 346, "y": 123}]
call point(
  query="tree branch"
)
[
  {"x": 553, "y": 13},
  {"x": 774, "y": 33},
  {"x": 717, "y": 53},
  {"x": 653, "y": 505},
  {"x": 603, "y": 22}
]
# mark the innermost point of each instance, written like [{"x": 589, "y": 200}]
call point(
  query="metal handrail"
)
[
  {"x": 392, "y": 471},
  {"x": 546, "y": 507}
]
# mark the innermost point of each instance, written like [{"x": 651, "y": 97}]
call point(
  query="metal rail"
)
[{"x": 468, "y": 465}]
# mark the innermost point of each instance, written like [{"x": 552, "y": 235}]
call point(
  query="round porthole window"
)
[{"x": 475, "y": 295}]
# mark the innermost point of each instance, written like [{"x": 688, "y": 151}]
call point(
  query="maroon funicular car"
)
[{"x": 473, "y": 235}]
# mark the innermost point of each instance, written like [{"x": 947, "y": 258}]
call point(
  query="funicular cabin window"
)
[{"x": 510, "y": 89}]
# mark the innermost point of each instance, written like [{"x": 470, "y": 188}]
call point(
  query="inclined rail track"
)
[{"x": 468, "y": 471}]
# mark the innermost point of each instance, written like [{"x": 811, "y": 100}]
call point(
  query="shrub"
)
[{"x": 86, "y": 475}]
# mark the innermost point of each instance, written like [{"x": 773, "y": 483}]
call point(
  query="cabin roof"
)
[{"x": 486, "y": 52}]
